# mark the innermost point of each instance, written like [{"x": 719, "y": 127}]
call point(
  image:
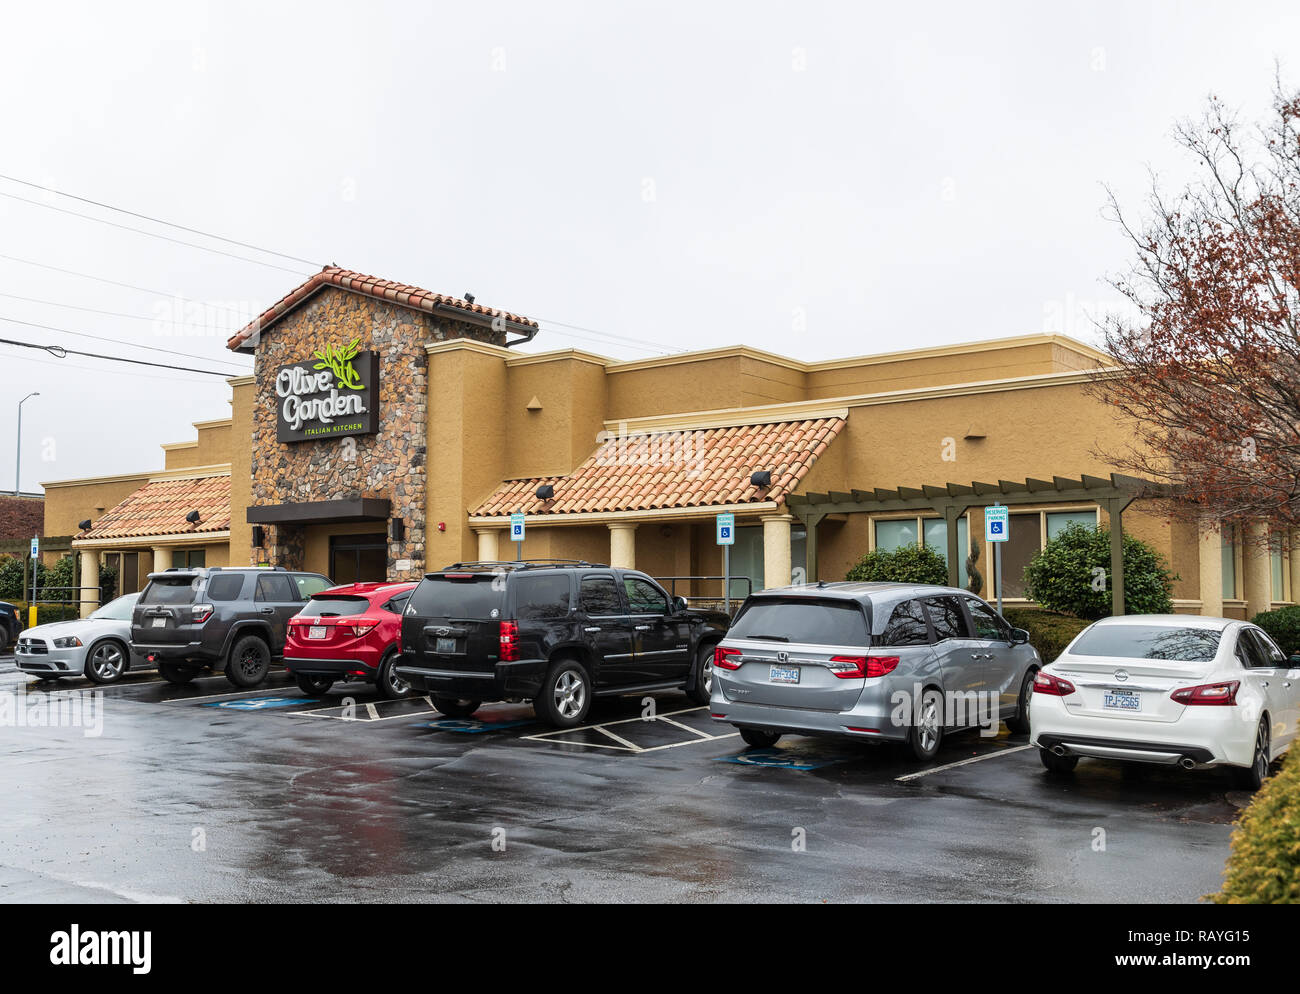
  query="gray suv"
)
[
  {"x": 235, "y": 619},
  {"x": 874, "y": 661}
]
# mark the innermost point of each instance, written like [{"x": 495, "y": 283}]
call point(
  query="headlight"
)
[{"x": 67, "y": 642}]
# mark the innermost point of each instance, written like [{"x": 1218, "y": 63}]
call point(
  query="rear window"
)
[
  {"x": 440, "y": 597},
  {"x": 335, "y": 606},
  {"x": 1187, "y": 645},
  {"x": 819, "y": 622},
  {"x": 171, "y": 590}
]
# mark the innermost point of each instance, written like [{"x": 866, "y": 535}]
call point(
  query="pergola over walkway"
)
[{"x": 952, "y": 500}]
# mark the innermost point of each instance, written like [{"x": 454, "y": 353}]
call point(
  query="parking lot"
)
[{"x": 206, "y": 793}]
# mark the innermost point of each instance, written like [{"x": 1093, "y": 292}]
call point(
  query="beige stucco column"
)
[
  {"x": 1255, "y": 569},
  {"x": 1211, "y": 571},
  {"x": 162, "y": 559},
  {"x": 776, "y": 550},
  {"x": 89, "y": 578},
  {"x": 489, "y": 544},
  {"x": 622, "y": 546},
  {"x": 1293, "y": 564}
]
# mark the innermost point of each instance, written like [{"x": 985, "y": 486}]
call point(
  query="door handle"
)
[
  {"x": 267, "y": 610},
  {"x": 1263, "y": 683},
  {"x": 592, "y": 628},
  {"x": 643, "y": 628}
]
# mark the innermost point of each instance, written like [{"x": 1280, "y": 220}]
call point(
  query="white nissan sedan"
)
[{"x": 1168, "y": 689}]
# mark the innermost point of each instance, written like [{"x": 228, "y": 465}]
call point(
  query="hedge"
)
[
  {"x": 1264, "y": 864},
  {"x": 1049, "y": 632},
  {"x": 1072, "y": 574},
  {"x": 906, "y": 564},
  {"x": 1283, "y": 625}
]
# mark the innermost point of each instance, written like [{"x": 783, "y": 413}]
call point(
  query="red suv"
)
[{"x": 349, "y": 633}]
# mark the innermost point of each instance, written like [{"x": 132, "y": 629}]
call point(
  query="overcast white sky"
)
[{"x": 675, "y": 175}]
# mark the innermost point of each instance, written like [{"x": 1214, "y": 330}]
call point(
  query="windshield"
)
[
  {"x": 801, "y": 619},
  {"x": 117, "y": 610},
  {"x": 1188, "y": 645}
]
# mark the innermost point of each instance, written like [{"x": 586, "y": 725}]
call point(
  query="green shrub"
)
[
  {"x": 906, "y": 564},
  {"x": 1283, "y": 625},
  {"x": 1063, "y": 576},
  {"x": 1049, "y": 632},
  {"x": 1264, "y": 864}
]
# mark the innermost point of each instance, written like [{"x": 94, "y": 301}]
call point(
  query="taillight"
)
[
  {"x": 1222, "y": 694},
  {"x": 1045, "y": 683},
  {"x": 359, "y": 630},
  {"x": 725, "y": 658},
  {"x": 200, "y": 613},
  {"x": 860, "y": 667},
  {"x": 509, "y": 641}
]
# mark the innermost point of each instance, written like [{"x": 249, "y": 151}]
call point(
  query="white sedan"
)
[
  {"x": 98, "y": 646},
  {"x": 1168, "y": 689}
]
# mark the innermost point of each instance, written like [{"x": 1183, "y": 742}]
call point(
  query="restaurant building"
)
[{"x": 387, "y": 430}]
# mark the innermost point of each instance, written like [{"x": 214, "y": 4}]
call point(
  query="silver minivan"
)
[{"x": 876, "y": 661}]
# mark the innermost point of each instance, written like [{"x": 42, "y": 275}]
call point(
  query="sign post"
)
[
  {"x": 997, "y": 529},
  {"x": 517, "y": 534},
  {"x": 31, "y": 605},
  {"x": 726, "y": 539}
]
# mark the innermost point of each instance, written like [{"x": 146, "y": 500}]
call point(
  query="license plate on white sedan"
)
[
  {"x": 783, "y": 674},
  {"x": 446, "y": 645},
  {"x": 159, "y": 622},
  {"x": 1117, "y": 700},
  {"x": 317, "y": 632}
]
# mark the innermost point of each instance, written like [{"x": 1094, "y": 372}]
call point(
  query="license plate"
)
[
  {"x": 783, "y": 674},
  {"x": 446, "y": 645},
  {"x": 317, "y": 632},
  {"x": 1115, "y": 700},
  {"x": 159, "y": 622}
]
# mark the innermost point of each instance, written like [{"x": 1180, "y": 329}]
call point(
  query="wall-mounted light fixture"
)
[
  {"x": 761, "y": 478},
  {"x": 259, "y": 536},
  {"x": 397, "y": 530},
  {"x": 83, "y": 526},
  {"x": 193, "y": 517}
]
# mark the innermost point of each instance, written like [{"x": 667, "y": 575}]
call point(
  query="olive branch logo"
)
[{"x": 339, "y": 361}]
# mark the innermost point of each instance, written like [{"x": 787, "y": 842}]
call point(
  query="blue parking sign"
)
[
  {"x": 726, "y": 529},
  {"x": 516, "y": 527},
  {"x": 997, "y": 523}
]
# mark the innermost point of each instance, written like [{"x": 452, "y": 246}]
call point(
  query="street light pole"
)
[{"x": 18, "y": 459}]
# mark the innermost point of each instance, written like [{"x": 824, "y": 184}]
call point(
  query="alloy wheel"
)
[
  {"x": 106, "y": 661},
  {"x": 570, "y": 694},
  {"x": 929, "y": 724}
]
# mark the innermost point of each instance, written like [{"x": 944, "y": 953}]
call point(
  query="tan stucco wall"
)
[
  {"x": 66, "y": 505},
  {"x": 211, "y": 447},
  {"x": 241, "y": 474}
]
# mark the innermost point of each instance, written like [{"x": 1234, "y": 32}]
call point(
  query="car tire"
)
[
  {"x": 1252, "y": 777},
  {"x": 1019, "y": 725},
  {"x": 564, "y": 698},
  {"x": 391, "y": 686},
  {"x": 1057, "y": 764},
  {"x": 455, "y": 707},
  {"x": 177, "y": 674},
  {"x": 702, "y": 676},
  {"x": 249, "y": 663},
  {"x": 105, "y": 662},
  {"x": 926, "y": 734},
  {"x": 759, "y": 738},
  {"x": 313, "y": 686}
]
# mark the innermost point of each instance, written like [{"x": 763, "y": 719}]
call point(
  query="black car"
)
[
  {"x": 234, "y": 619},
  {"x": 555, "y": 633},
  {"x": 10, "y": 623}
]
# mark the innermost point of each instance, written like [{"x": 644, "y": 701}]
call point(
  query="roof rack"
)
[{"x": 519, "y": 564}]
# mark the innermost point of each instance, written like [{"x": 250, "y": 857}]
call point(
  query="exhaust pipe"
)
[
  {"x": 1187, "y": 763},
  {"x": 1059, "y": 750}
]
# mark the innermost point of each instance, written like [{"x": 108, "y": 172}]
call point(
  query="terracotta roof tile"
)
[
  {"x": 159, "y": 508},
  {"x": 701, "y": 467},
  {"x": 411, "y": 296}
]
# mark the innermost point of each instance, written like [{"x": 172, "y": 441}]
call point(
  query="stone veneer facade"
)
[{"x": 390, "y": 464}]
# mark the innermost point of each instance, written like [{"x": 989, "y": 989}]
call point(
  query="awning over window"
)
[{"x": 159, "y": 508}]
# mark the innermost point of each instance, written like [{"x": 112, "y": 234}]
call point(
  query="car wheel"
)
[
  {"x": 390, "y": 684},
  {"x": 105, "y": 662},
  {"x": 1057, "y": 764},
  {"x": 455, "y": 707},
  {"x": 250, "y": 661},
  {"x": 1019, "y": 725},
  {"x": 1252, "y": 777},
  {"x": 702, "y": 676},
  {"x": 313, "y": 686},
  {"x": 173, "y": 673},
  {"x": 758, "y": 738},
  {"x": 565, "y": 696},
  {"x": 926, "y": 734}
]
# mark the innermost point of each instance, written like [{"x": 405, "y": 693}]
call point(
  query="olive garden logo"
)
[{"x": 330, "y": 397}]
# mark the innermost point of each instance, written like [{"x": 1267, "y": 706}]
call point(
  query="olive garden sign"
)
[{"x": 334, "y": 394}]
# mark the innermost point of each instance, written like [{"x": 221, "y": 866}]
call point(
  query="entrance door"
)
[{"x": 358, "y": 558}]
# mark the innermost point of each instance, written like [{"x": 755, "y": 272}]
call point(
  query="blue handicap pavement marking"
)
[
  {"x": 782, "y": 758},
  {"x": 469, "y": 726},
  {"x": 254, "y": 703}
]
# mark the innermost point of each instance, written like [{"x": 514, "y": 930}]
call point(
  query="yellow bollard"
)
[{"x": 31, "y": 616}]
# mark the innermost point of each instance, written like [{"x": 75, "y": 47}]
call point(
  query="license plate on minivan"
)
[
  {"x": 1116, "y": 700},
  {"x": 446, "y": 645},
  {"x": 783, "y": 674}
]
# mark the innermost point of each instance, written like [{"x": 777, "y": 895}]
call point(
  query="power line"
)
[
  {"x": 63, "y": 364},
  {"x": 155, "y": 220},
  {"x": 117, "y": 341},
  {"x": 58, "y": 351},
  {"x": 93, "y": 310}
]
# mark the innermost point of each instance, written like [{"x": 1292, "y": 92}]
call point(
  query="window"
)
[
  {"x": 225, "y": 586},
  {"x": 398, "y": 604},
  {"x": 933, "y": 534},
  {"x": 335, "y": 606},
  {"x": 907, "y": 626},
  {"x": 804, "y": 620},
  {"x": 987, "y": 623},
  {"x": 599, "y": 597},
  {"x": 276, "y": 588},
  {"x": 644, "y": 597},
  {"x": 310, "y": 583},
  {"x": 947, "y": 618},
  {"x": 542, "y": 596},
  {"x": 1263, "y": 651},
  {"x": 891, "y": 535},
  {"x": 1277, "y": 568},
  {"x": 1058, "y": 520},
  {"x": 172, "y": 590},
  {"x": 1228, "y": 551},
  {"x": 187, "y": 558},
  {"x": 474, "y": 596}
]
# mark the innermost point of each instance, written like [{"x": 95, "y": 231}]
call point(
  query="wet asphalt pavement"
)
[{"x": 205, "y": 793}]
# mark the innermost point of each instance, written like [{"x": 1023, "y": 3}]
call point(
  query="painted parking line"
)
[
  {"x": 366, "y": 712},
  {"x": 620, "y": 743},
  {"x": 962, "y": 762}
]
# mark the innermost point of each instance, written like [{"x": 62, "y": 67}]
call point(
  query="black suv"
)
[
  {"x": 235, "y": 619},
  {"x": 555, "y": 633}
]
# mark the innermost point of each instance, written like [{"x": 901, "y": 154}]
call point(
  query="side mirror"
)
[
  {"x": 1019, "y": 636},
  {"x": 679, "y": 605}
]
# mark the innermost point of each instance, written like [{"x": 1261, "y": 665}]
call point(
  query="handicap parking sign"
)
[
  {"x": 726, "y": 529},
  {"x": 516, "y": 527},
  {"x": 997, "y": 523}
]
